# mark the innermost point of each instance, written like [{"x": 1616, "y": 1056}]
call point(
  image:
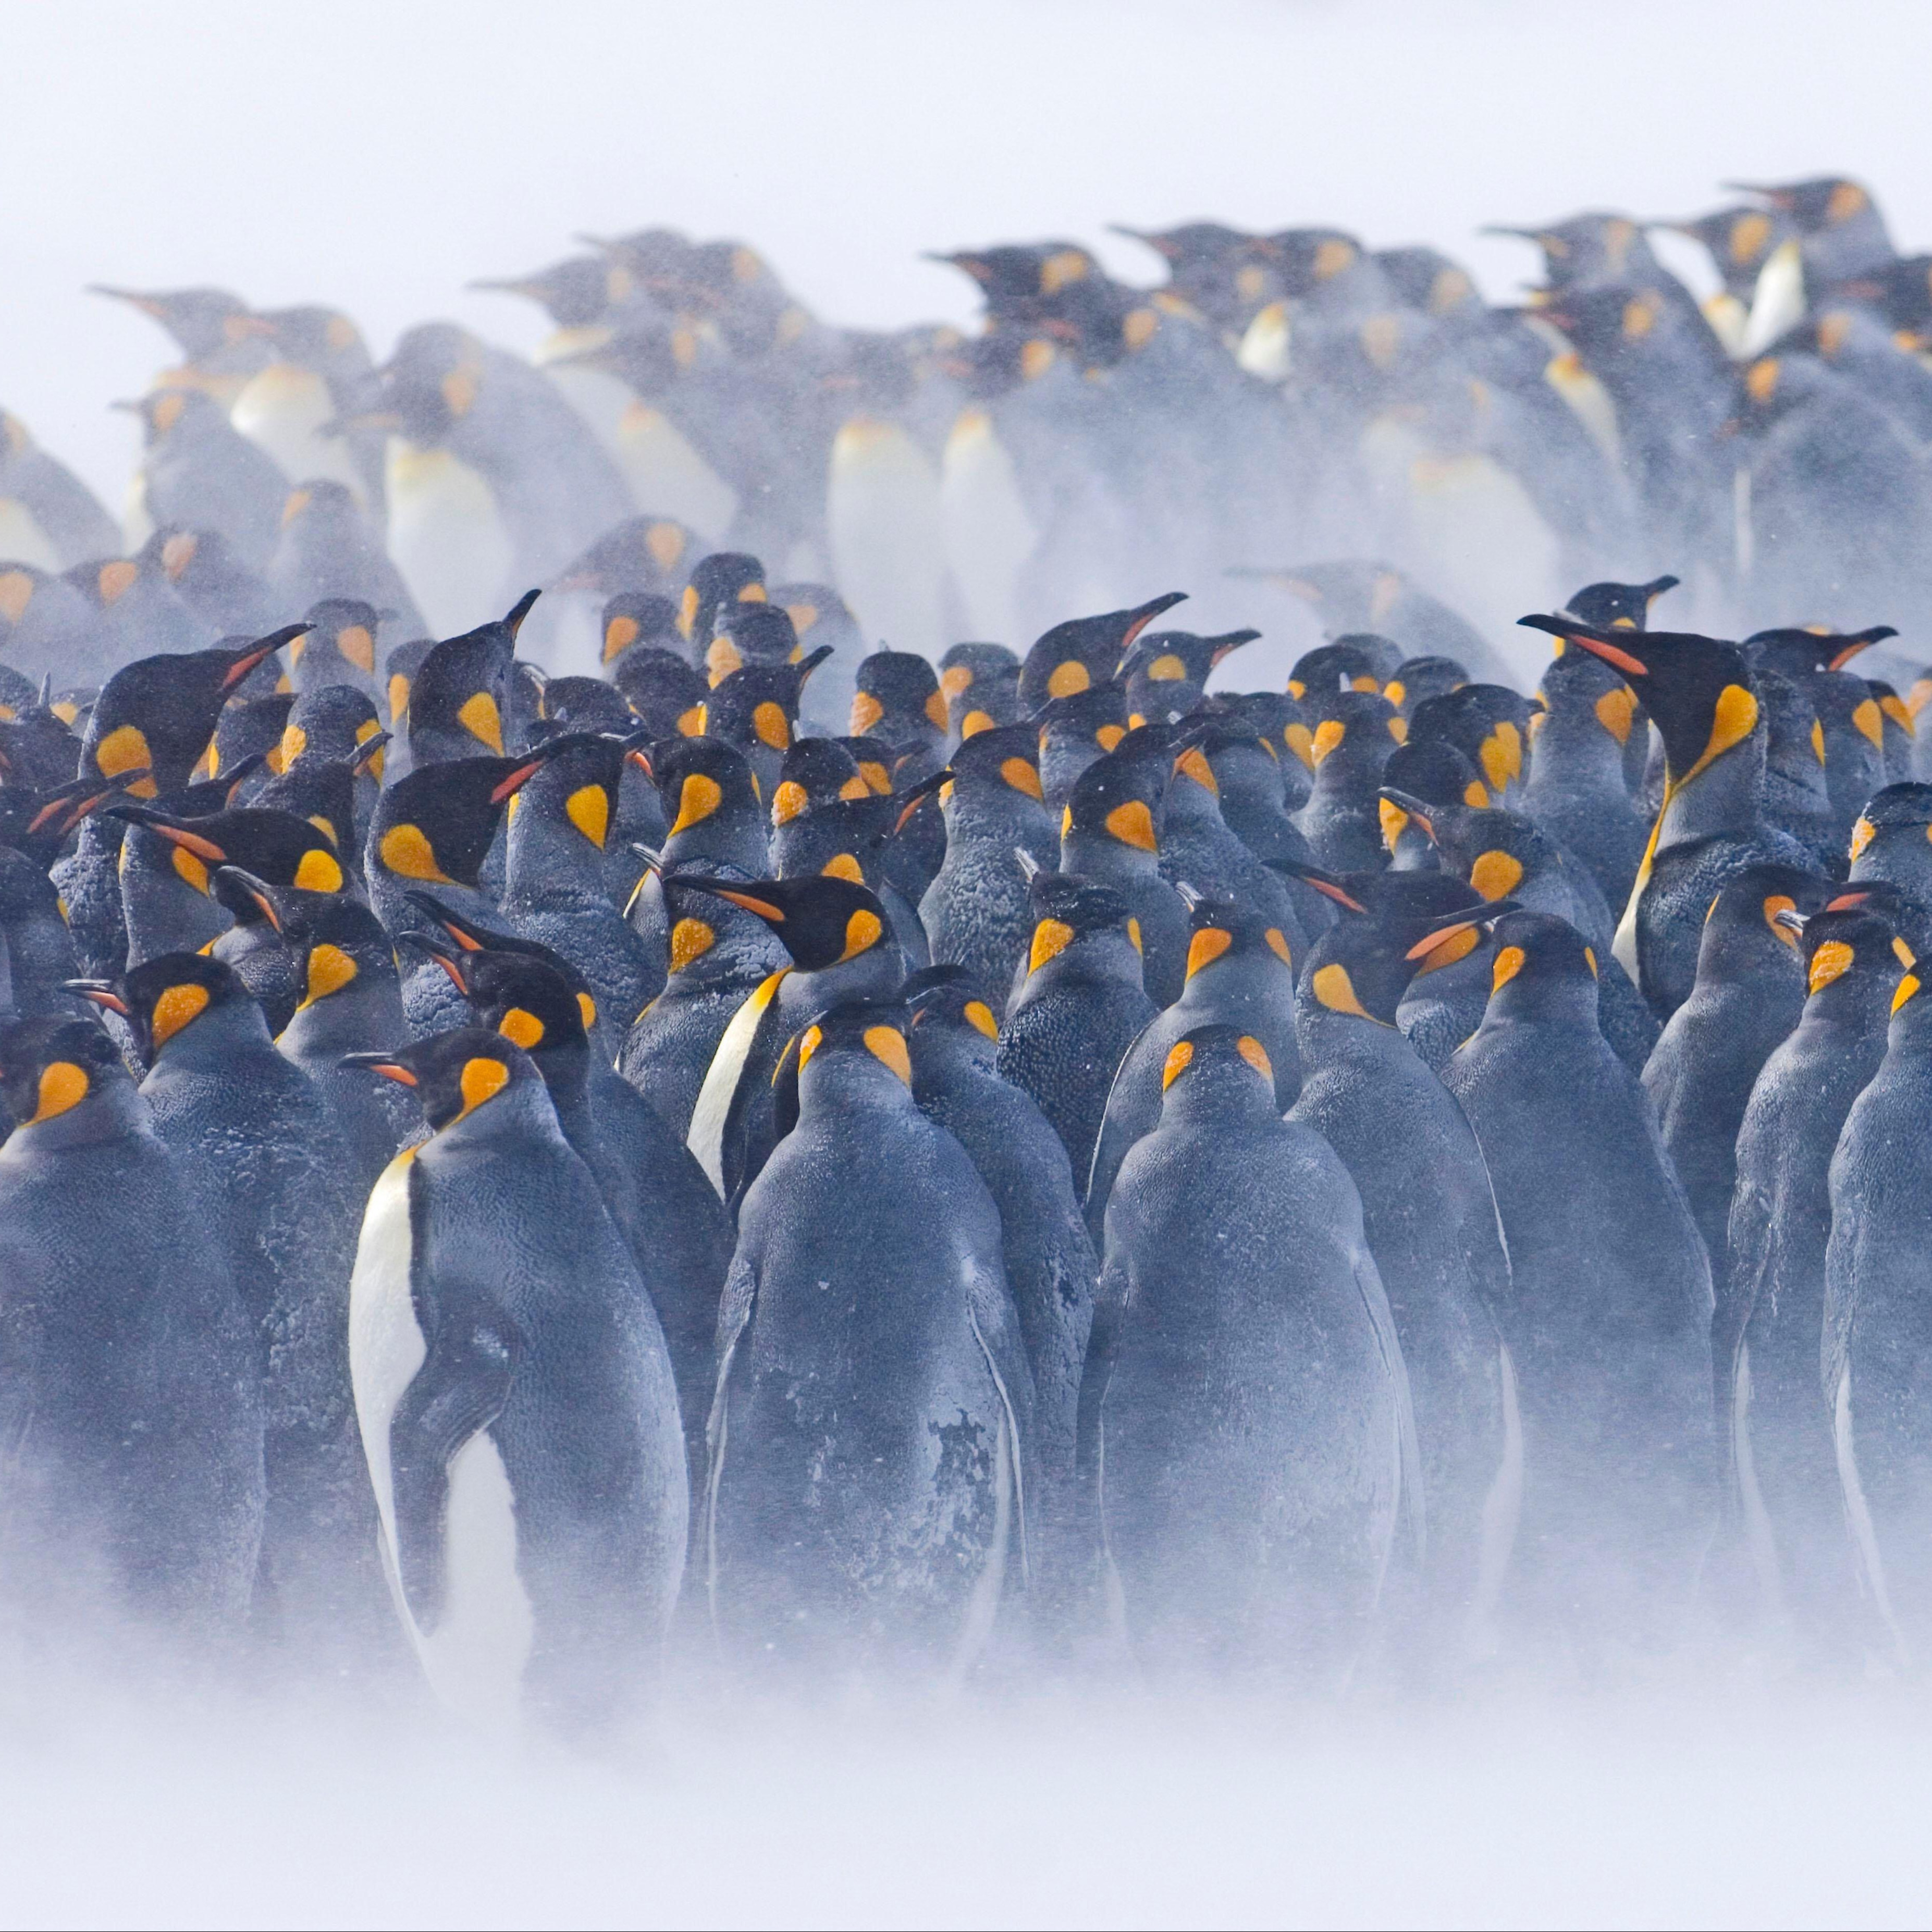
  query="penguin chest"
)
[
  {"x": 448, "y": 537},
  {"x": 882, "y": 511},
  {"x": 282, "y": 411},
  {"x": 475, "y": 1650},
  {"x": 23, "y": 538}
]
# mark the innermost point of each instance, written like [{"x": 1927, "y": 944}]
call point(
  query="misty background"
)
[{"x": 378, "y": 157}]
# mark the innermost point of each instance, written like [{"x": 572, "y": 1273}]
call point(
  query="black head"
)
[
  {"x": 340, "y": 939},
  {"x": 250, "y": 727},
  {"x": 897, "y": 698},
  {"x": 528, "y": 1001},
  {"x": 817, "y": 772},
  {"x": 277, "y": 846},
  {"x": 334, "y": 723},
  {"x": 1083, "y": 652},
  {"x": 1418, "y": 680},
  {"x": 1219, "y": 930},
  {"x": 434, "y": 825},
  {"x": 1543, "y": 965},
  {"x": 1852, "y": 949},
  {"x": 1066, "y": 907},
  {"x": 1696, "y": 688},
  {"x": 725, "y": 577},
  {"x": 750, "y": 634},
  {"x": 587, "y": 704},
  {"x": 1488, "y": 724},
  {"x": 1798, "y": 651},
  {"x": 574, "y": 293},
  {"x": 1120, "y": 794},
  {"x": 461, "y": 692},
  {"x": 981, "y": 686},
  {"x": 163, "y": 996},
  {"x": 340, "y": 647},
  {"x": 1360, "y": 730},
  {"x": 1814, "y": 206},
  {"x": 949, "y": 998},
  {"x": 399, "y": 673},
  {"x": 1618, "y": 607},
  {"x": 1905, "y": 807},
  {"x": 661, "y": 687},
  {"x": 1363, "y": 964},
  {"x": 821, "y": 922},
  {"x": 999, "y": 760},
  {"x": 158, "y": 713},
  {"x": 577, "y": 785},
  {"x": 49, "y": 1066},
  {"x": 39, "y": 824},
  {"x": 639, "y": 554},
  {"x": 874, "y": 760},
  {"x": 755, "y": 708},
  {"x": 1167, "y": 671},
  {"x": 698, "y": 779},
  {"x": 452, "y": 1074},
  {"x": 639, "y": 617},
  {"x": 1748, "y": 905},
  {"x": 202, "y": 322},
  {"x": 858, "y": 1035}
]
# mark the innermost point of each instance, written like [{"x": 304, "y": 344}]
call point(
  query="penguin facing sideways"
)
[
  {"x": 257, "y": 1145},
  {"x": 1876, "y": 1352},
  {"x": 1073, "y": 732},
  {"x": 719, "y": 955},
  {"x": 515, "y": 1398},
  {"x": 842, "y": 947},
  {"x": 1891, "y": 845},
  {"x": 871, "y": 1459},
  {"x": 1109, "y": 833},
  {"x": 1081, "y": 1005},
  {"x": 1748, "y": 996},
  {"x": 1050, "y": 1263},
  {"x": 1770, "y": 1317},
  {"x": 1429, "y": 1219},
  {"x": 351, "y": 1001},
  {"x": 433, "y": 827},
  {"x": 1165, "y": 673},
  {"x": 1083, "y": 652},
  {"x": 981, "y": 686},
  {"x": 1249, "y": 1403},
  {"x": 1240, "y": 973},
  {"x": 1609, "y": 1319},
  {"x": 199, "y": 472},
  {"x": 132, "y": 1409},
  {"x": 1698, "y": 693},
  {"x": 670, "y": 1217},
  {"x": 460, "y": 697}
]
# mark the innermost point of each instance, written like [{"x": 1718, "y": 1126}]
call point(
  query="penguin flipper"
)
[
  {"x": 996, "y": 1327},
  {"x": 460, "y": 1389},
  {"x": 734, "y": 1316},
  {"x": 1408, "y": 1444}
]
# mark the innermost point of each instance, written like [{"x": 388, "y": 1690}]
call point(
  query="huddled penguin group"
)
[{"x": 598, "y": 1086}]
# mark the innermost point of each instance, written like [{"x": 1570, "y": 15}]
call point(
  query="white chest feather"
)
[{"x": 706, "y": 1139}]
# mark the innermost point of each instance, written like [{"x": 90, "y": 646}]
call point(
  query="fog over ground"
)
[{"x": 378, "y": 157}]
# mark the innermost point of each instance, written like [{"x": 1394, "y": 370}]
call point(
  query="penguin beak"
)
[
  {"x": 1421, "y": 812},
  {"x": 256, "y": 890},
  {"x": 1137, "y": 620},
  {"x": 516, "y": 782},
  {"x": 98, "y": 993},
  {"x": 1598, "y": 647},
  {"x": 380, "y": 1063}
]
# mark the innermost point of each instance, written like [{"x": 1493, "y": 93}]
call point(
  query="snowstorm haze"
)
[{"x": 380, "y": 158}]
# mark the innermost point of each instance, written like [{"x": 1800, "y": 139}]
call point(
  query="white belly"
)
[
  {"x": 882, "y": 513},
  {"x": 282, "y": 411},
  {"x": 705, "y": 1137},
  {"x": 21, "y": 539},
  {"x": 447, "y": 538},
  {"x": 989, "y": 533}
]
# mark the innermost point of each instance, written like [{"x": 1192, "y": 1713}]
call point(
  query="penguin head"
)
[
  {"x": 194, "y": 560},
  {"x": 1488, "y": 724},
  {"x": 526, "y": 999},
  {"x": 1618, "y": 607},
  {"x": 755, "y": 709},
  {"x": 1434, "y": 771},
  {"x": 997, "y": 771},
  {"x": 161, "y": 998},
  {"x": 434, "y": 381},
  {"x": 176, "y": 416},
  {"x": 1495, "y": 851},
  {"x": 1583, "y": 692},
  {"x": 455, "y": 1074},
  {"x": 340, "y": 943},
  {"x": 1342, "y": 664},
  {"x": 1589, "y": 248},
  {"x": 1121, "y": 796},
  {"x": 854, "y": 1053},
  {"x": 665, "y": 694},
  {"x": 708, "y": 792},
  {"x": 39, "y": 824},
  {"x": 571, "y": 800},
  {"x": 450, "y": 933},
  {"x": 640, "y": 553},
  {"x": 1814, "y": 207},
  {"x": 50, "y": 1069},
  {"x": 587, "y": 704},
  {"x": 1073, "y": 732},
  {"x": 875, "y": 761},
  {"x": 434, "y": 825},
  {"x": 817, "y": 772},
  {"x": 1221, "y": 932},
  {"x": 1798, "y": 651},
  {"x": 339, "y": 647},
  {"x": 711, "y": 937},
  {"x": 157, "y": 714},
  {"x": 1852, "y": 954},
  {"x": 573, "y": 293},
  {"x": 1080, "y": 921},
  {"x": 1739, "y": 240},
  {"x": 1352, "y": 736},
  {"x": 822, "y": 921},
  {"x": 1892, "y": 839},
  {"x": 1418, "y": 680},
  {"x": 321, "y": 339},
  {"x": 399, "y": 674},
  {"x": 336, "y": 723},
  {"x": 275, "y": 845},
  {"x": 947, "y": 1002},
  {"x": 725, "y": 577},
  {"x": 1081, "y": 653},
  {"x": 638, "y": 618},
  {"x": 204, "y": 322},
  {"x": 1360, "y": 968},
  {"x": 981, "y": 686},
  {"x": 1543, "y": 968},
  {"x": 843, "y": 838},
  {"x": 750, "y": 634},
  {"x": 250, "y": 727},
  {"x": 898, "y": 701},
  {"x": 1165, "y": 672},
  {"x": 1430, "y": 282},
  {"x": 459, "y": 700},
  {"x": 1218, "y": 1073},
  {"x": 1744, "y": 932}
]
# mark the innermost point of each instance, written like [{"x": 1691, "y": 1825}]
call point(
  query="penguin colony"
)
[{"x": 904, "y": 1159}]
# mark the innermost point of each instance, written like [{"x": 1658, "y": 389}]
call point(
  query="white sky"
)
[{"x": 377, "y": 156}]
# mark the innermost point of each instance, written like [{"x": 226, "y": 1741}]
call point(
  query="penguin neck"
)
[
  {"x": 1329, "y": 1039},
  {"x": 1559, "y": 999},
  {"x": 113, "y": 1112},
  {"x": 1060, "y": 766},
  {"x": 1103, "y": 958},
  {"x": 1341, "y": 780},
  {"x": 565, "y": 1067},
  {"x": 1415, "y": 852},
  {"x": 1721, "y": 799},
  {"x": 1902, "y": 856},
  {"x": 945, "y": 1058},
  {"x": 212, "y": 1043},
  {"x": 1192, "y": 807},
  {"x": 1911, "y": 1029},
  {"x": 1238, "y": 982},
  {"x": 1100, "y": 855},
  {"x": 1857, "y": 1004},
  {"x": 1575, "y": 756},
  {"x": 365, "y": 1016},
  {"x": 874, "y": 974},
  {"x": 546, "y": 862},
  {"x": 467, "y": 900},
  {"x": 1747, "y": 954},
  {"x": 166, "y": 915},
  {"x": 1250, "y": 782},
  {"x": 994, "y": 814},
  {"x": 1217, "y": 1098}
]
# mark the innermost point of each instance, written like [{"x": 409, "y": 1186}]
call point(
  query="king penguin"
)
[{"x": 518, "y": 1417}]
